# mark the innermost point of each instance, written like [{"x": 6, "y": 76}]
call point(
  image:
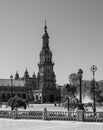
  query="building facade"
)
[
  {"x": 22, "y": 87},
  {"x": 40, "y": 89}
]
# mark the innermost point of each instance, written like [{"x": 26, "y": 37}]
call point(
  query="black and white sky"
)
[{"x": 75, "y": 28}]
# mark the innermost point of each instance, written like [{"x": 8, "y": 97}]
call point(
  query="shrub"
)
[{"x": 17, "y": 102}]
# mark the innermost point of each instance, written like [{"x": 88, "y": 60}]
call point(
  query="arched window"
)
[
  {"x": 24, "y": 95},
  {"x": 36, "y": 97},
  {"x": 51, "y": 98},
  {"x": 8, "y": 96},
  {"x": 3, "y": 97},
  {"x": 19, "y": 95},
  {"x": 57, "y": 98},
  {"x": 44, "y": 99}
]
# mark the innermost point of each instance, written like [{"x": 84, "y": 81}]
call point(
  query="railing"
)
[
  {"x": 54, "y": 115},
  {"x": 6, "y": 114},
  {"x": 30, "y": 114},
  {"x": 93, "y": 117}
]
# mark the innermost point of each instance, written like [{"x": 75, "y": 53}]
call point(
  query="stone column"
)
[
  {"x": 15, "y": 113},
  {"x": 45, "y": 114},
  {"x": 80, "y": 115}
]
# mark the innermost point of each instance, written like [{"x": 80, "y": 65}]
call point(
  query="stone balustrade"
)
[
  {"x": 30, "y": 114},
  {"x": 79, "y": 115},
  {"x": 55, "y": 115},
  {"x": 93, "y": 117},
  {"x": 6, "y": 114}
]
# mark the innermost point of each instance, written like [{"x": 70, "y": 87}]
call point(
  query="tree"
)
[
  {"x": 71, "y": 89},
  {"x": 74, "y": 83},
  {"x": 73, "y": 101},
  {"x": 100, "y": 91},
  {"x": 17, "y": 102},
  {"x": 73, "y": 79}
]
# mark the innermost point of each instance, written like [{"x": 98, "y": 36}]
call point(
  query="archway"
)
[
  {"x": 3, "y": 97},
  {"x": 13, "y": 95},
  {"x": 24, "y": 96},
  {"x": 51, "y": 98},
  {"x": 44, "y": 99},
  {"x": 19, "y": 95},
  {"x": 8, "y": 96}
]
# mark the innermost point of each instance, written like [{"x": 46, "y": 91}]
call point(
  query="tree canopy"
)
[
  {"x": 17, "y": 102},
  {"x": 87, "y": 87}
]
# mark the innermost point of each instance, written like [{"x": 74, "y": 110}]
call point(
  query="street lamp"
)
[
  {"x": 27, "y": 88},
  {"x": 59, "y": 96},
  {"x": 11, "y": 77},
  {"x": 68, "y": 103},
  {"x": 93, "y": 69},
  {"x": 80, "y": 74}
]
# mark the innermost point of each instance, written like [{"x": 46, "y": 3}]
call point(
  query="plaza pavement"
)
[{"x": 11, "y": 124}]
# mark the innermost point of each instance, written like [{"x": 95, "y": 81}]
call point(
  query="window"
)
[{"x": 36, "y": 97}]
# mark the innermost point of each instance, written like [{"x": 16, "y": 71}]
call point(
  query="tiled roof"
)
[{"x": 7, "y": 82}]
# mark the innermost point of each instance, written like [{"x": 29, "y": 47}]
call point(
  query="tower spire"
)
[
  {"x": 45, "y": 36},
  {"x": 45, "y": 28}
]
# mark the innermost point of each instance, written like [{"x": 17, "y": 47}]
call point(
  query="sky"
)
[{"x": 75, "y": 28}]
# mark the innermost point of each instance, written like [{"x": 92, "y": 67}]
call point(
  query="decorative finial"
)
[
  {"x": 45, "y": 35},
  {"x": 17, "y": 75},
  {"x": 26, "y": 74}
]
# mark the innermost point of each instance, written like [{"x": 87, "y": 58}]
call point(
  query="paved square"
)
[{"x": 10, "y": 124}]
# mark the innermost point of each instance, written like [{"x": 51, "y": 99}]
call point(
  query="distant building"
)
[
  {"x": 6, "y": 90},
  {"x": 38, "y": 89},
  {"x": 23, "y": 87}
]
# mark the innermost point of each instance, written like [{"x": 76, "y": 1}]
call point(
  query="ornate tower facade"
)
[
  {"x": 46, "y": 76},
  {"x": 46, "y": 73}
]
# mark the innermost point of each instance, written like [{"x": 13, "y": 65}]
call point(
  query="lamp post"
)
[
  {"x": 59, "y": 96},
  {"x": 27, "y": 90},
  {"x": 68, "y": 103},
  {"x": 93, "y": 69},
  {"x": 80, "y": 74},
  {"x": 11, "y": 77}
]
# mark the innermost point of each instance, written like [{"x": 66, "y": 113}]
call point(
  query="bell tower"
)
[{"x": 46, "y": 76}]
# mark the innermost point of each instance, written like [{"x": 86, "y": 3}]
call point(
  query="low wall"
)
[
  {"x": 6, "y": 114},
  {"x": 30, "y": 115},
  {"x": 93, "y": 117},
  {"x": 53, "y": 115}
]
